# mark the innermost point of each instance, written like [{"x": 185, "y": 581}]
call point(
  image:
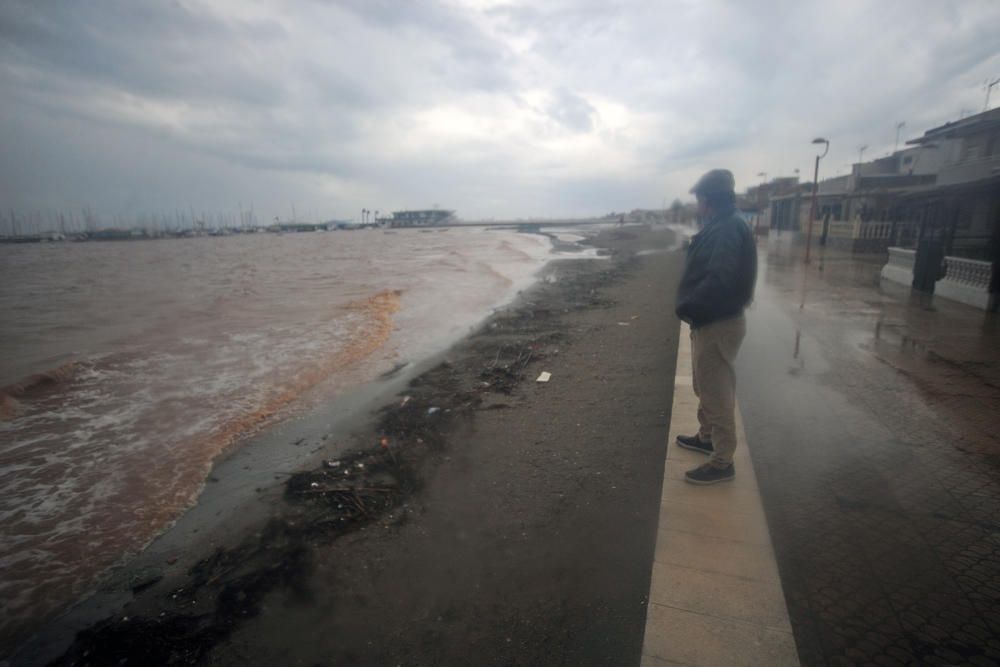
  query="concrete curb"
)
[{"x": 715, "y": 596}]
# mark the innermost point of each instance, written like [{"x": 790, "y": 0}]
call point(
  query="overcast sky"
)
[{"x": 494, "y": 109}]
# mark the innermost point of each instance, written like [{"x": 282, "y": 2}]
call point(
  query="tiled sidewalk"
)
[
  {"x": 716, "y": 597},
  {"x": 872, "y": 413}
]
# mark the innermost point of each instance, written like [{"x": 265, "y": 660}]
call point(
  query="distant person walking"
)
[{"x": 716, "y": 287}]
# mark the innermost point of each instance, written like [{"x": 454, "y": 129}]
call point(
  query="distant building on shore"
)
[
  {"x": 338, "y": 224},
  {"x": 423, "y": 218},
  {"x": 755, "y": 204},
  {"x": 300, "y": 227}
]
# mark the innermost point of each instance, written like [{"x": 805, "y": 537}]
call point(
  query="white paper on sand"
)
[{"x": 544, "y": 377}]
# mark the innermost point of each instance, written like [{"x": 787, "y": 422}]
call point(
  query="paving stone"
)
[
  {"x": 878, "y": 462},
  {"x": 696, "y": 639}
]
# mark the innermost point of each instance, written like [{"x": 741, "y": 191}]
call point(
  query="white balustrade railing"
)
[
  {"x": 860, "y": 230},
  {"x": 971, "y": 272},
  {"x": 966, "y": 280},
  {"x": 875, "y": 230},
  {"x": 841, "y": 229}
]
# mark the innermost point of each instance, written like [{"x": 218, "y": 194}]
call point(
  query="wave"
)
[
  {"x": 33, "y": 385},
  {"x": 521, "y": 254},
  {"x": 490, "y": 270}
]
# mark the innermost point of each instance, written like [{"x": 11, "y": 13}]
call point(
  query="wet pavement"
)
[{"x": 872, "y": 415}]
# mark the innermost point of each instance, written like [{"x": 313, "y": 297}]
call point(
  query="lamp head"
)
[{"x": 821, "y": 140}]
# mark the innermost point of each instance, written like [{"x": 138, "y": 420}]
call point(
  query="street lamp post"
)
[
  {"x": 989, "y": 87},
  {"x": 761, "y": 202},
  {"x": 812, "y": 207}
]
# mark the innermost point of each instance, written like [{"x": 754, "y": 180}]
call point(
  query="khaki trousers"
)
[{"x": 713, "y": 351}]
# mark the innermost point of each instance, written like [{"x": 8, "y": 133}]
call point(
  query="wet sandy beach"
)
[
  {"x": 180, "y": 353},
  {"x": 484, "y": 515}
]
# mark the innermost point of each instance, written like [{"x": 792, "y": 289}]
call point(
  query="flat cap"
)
[{"x": 715, "y": 181}]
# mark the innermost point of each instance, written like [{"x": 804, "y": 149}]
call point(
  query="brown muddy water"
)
[{"x": 126, "y": 368}]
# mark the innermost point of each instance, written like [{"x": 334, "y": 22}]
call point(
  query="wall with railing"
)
[
  {"x": 858, "y": 236},
  {"x": 967, "y": 281},
  {"x": 899, "y": 268}
]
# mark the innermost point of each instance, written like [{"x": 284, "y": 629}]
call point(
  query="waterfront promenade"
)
[
  {"x": 872, "y": 417},
  {"x": 549, "y": 523}
]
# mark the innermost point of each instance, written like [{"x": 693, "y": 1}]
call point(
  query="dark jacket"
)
[{"x": 720, "y": 273}]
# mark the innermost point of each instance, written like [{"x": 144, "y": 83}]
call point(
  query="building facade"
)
[
  {"x": 933, "y": 208},
  {"x": 953, "y": 248},
  {"x": 421, "y": 218}
]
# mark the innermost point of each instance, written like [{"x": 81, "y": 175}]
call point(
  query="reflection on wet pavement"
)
[{"x": 872, "y": 416}]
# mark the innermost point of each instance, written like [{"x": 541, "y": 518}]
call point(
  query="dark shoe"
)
[
  {"x": 709, "y": 473},
  {"x": 695, "y": 444}
]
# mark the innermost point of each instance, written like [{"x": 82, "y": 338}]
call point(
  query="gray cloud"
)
[
  {"x": 572, "y": 110},
  {"x": 163, "y": 50},
  {"x": 472, "y": 59},
  {"x": 571, "y": 106}
]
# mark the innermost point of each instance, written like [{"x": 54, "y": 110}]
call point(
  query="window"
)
[{"x": 970, "y": 150}]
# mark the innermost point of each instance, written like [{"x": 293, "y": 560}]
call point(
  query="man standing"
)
[{"x": 716, "y": 287}]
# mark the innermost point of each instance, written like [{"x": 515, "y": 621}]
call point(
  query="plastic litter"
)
[
  {"x": 544, "y": 377},
  {"x": 623, "y": 324},
  {"x": 333, "y": 464},
  {"x": 431, "y": 411}
]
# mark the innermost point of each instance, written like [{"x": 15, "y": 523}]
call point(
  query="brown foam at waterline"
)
[
  {"x": 375, "y": 330},
  {"x": 146, "y": 503},
  {"x": 377, "y": 326}
]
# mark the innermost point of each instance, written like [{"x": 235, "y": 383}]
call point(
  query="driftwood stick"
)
[
  {"x": 361, "y": 506},
  {"x": 351, "y": 490}
]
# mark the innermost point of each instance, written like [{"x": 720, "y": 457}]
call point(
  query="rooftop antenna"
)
[
  {"x": 899, "y": 126},
  {"x": 989, "y": 88}
]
